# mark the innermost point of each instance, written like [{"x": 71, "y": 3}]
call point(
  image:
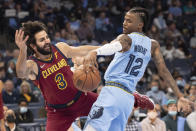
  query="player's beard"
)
[{"x": 42, "y": 50}]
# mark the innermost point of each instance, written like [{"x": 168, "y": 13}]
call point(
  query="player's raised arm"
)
[
  {"x": 162, "y": 69},
  {"x": 24, "y": 69}
]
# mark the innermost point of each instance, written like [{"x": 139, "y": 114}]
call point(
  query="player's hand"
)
[
  {"x": 183, "y": 103},
  {"x": 90, "y": 60},
  {"x": 20, "y": 40},
  {"x": 77, "y": 61}
]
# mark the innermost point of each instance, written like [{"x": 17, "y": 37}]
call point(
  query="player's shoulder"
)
[
  {"x": 32, "y": 64},
  {"x": 29, "y": 62},
  {"x": 154, "y": 42},
  {"x": 64, "y": 48},
  {"x": 61, "y": 44}
]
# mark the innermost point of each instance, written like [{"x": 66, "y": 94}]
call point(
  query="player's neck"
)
[{"x": 43, "y": 57}]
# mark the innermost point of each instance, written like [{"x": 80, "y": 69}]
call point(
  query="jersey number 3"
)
[
  {"x": 61, "y": 82},
  {"x": 134, "y": 68}
]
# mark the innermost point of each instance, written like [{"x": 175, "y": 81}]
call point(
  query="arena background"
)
[{"x": 96, "y": 22}]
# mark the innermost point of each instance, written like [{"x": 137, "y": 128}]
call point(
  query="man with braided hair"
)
[{"x": 133, "y": 50}]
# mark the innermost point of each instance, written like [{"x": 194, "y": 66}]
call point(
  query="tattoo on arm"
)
[
  {"x": 125, "y": 40},
  {"x": 163, "y": 71}
]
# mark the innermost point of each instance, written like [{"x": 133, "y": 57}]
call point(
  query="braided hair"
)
[{"x": 143, "y": 14}]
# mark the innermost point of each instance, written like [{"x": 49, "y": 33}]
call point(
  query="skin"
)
[
  {"x": 2, "y": 126},
  {"x": 27, "y": 68},
  {"x": 133, "y": 23}
]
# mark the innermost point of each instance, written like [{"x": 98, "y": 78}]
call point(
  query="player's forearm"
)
[
  {"x": 21, "y": 63},
  {"x": 84, "y": 50},
  {"x": 166, "y": 75}
]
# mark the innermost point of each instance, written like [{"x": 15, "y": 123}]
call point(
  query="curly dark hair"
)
[{"x": 30, "y": 28}]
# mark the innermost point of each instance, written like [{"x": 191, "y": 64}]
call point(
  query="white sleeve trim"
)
[{"x": 109, "y": 49}]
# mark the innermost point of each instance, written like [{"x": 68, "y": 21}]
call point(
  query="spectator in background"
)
[
  {"x": 84, "y": 30},
  {"x": 191, "y": 118},
  {"x": 89, "y": 41},
  {"x": 11, "y": 69},
  {"x": 102, "y": 22},
  {"x": 172, "y": 32},
  {"x": 156, "y": 94},
  {"x": 71, "y": 35},
  {"x": 172, "y": 120},
  {"x": 193, "y": 40},
  {"x": 11, "y": 72},
  {"x": 180, "y": 82},
  {"x": 152, "y": 122},
  {"x": 193, "y": 70},
  {"x": 168, "y": 50},
  {"x": 160, "y": 22},
  {"x": 10, "y": 95},
  {"x": 181, "y": 52},
  {"x": 74, "y": 22},
  {"x": 10, "y": 121},
  {"x": 15, "y": 55},
  {"x": 154, "y": 32},
  {"x": 189, "y": 8},
  {"x": 192, "y": 92},
  {"x": 91, "y": 20},
  {"x": 169, "y": 18},
  {"x": 25, "y": 92},
  {"x": 170, "y": 94},
  {"x": 175, "y": 8},
  {"x": 133, "y": 124},
  {"x": 57, "y": 38},
  {"x": 23, "y": 114}
]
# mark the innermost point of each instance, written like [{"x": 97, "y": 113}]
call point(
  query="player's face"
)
[
  {"x": 131, "y": 23},
  {"x": 43, "y": 43}
]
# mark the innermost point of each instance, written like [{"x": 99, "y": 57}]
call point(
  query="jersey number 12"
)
[{"x": 134, "y": 68}]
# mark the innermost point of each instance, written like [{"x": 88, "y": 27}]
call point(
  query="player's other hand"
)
[
  {"x": 20, "y": 40},
  {"x": 183, "y": 103},
  {"x": 77, "y": 61},
  {"x": 90, "y": 60}
]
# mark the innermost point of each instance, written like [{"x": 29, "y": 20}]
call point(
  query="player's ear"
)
[
  {"x": 33, "y": 46},
  {"x": 141, "y": 25}
]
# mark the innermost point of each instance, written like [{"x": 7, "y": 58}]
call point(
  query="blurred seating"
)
[
  {"x": 35, "y": 110},
  {"x": 11, "y": 106},
  {"x": 30, "y": 126}
]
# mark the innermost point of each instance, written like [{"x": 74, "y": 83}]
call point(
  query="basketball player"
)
[
  {"x": 49, "y": 70},
  {"x": 133, "y": 50}
]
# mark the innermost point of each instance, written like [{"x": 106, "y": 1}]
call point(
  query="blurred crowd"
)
[{"x": 96, "y": 22}]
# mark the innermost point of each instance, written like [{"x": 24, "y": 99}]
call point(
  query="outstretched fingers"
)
[{"x": 26, "y": 38}]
